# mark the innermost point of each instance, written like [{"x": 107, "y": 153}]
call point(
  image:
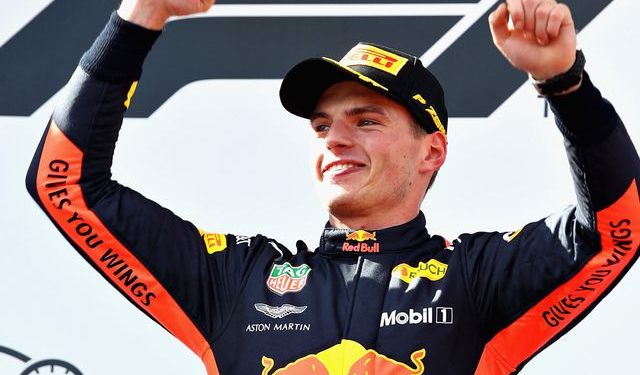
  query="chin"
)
[{"x": 341, "y": 203}]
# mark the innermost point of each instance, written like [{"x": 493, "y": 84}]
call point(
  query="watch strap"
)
[{"x": 564, "y": 81}]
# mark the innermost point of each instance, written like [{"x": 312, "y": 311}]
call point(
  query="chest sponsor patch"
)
[
  {"x": 348, "y": 357},
  {"x": 428, "y": 315},
  {"x": 360, "y": 246},
  {"x": 278, "y": 312},
  {"x": 285, "y": 278},
  {"x": 433, "y": 270}
]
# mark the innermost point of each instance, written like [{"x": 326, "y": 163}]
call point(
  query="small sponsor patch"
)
[
  {"x": 278, "y": 312},
  {"x": 361, "y": 247},
  {"x": 214, "y": 242},
  {"x": 364, "y": 54},
  {"x": 511, "y": 235},
  {"x": 243, "y": 240},
  {"x": 432, "y": 112},
  {"x": 285, "y": 278},
  {"x": 361, "y": 235},
  {"x": 432, "y": 270}
]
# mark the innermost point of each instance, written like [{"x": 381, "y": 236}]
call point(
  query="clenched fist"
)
[
  {"x": 541, "y": 39},
  {"x": 153, "y": 14}
]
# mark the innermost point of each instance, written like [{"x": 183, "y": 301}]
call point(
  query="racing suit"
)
[{"x": 393, "y": 301}]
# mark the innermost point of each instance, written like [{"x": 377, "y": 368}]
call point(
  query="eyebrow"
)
[
  {"x": 353, "y": 112},
  {"x": 317, "y": 115},
  {"x": 366, "y": 109}
]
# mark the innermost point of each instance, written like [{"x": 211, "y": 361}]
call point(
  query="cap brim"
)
[{"x": 305, "y": 83}]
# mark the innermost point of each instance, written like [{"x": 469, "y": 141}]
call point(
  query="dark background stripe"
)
[
  {"x": 39, "y": 59},
  {"x": 196, "y": 49}
]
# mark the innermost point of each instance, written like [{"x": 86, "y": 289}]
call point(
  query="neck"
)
[{"x": 372, "y": 222}]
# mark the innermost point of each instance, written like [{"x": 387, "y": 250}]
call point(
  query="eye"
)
[
  {"x": 320, "y": 128},
  {"x": 367, "y": 122}
]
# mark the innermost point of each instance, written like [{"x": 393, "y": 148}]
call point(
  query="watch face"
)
[{"x": 51, "y": 367}]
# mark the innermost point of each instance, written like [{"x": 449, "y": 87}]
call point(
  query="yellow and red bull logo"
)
[
  {"x": 361, "y": 247},
  {"x": 432, "y": 270},
  {"x": 361, "y": 235},
  {"x": 364, "y": 54},
  {"x": 347, "y": 358}
]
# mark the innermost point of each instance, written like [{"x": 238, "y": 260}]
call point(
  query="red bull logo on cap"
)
[{"x": 347, "y": 357}]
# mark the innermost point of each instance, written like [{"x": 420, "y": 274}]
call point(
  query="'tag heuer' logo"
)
[
  {"x": 361, "y": 236},
  {"x": 432, "y": 270},
  {"x": 364, "y": 54},
  {"x": 285, "y": 278}
]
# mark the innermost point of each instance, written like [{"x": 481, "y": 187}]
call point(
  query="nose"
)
[{"x": 339, "y": 137}]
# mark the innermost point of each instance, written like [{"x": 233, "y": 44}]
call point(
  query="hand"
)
[
  {"x": 153, "y": 14},
  {"x": 542, "y": 41}
]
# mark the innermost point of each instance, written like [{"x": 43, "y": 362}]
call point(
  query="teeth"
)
[{"x": 340, "y": 167}]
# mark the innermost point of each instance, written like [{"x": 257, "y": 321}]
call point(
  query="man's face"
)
[{"x": 369, "y": 159}]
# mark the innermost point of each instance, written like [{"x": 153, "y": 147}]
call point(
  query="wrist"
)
[
  {"x": 148, "y": 14},
  {"x": 564, "y": 83},
  {"x": 119, "y": 51}
]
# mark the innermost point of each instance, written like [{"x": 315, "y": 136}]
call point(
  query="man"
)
[{"x": 379, "y": 295}]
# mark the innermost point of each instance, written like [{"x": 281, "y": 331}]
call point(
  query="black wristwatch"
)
[{"x": 564, "y": 81}]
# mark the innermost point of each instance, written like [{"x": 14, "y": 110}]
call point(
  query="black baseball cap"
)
[{"x": 393, "y": 73}]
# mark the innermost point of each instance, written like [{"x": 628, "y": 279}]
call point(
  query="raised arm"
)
[
  {"x": 181, "y": 277},
  {"x": 533, "y": 285}
]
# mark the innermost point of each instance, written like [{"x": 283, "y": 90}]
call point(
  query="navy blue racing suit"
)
[{"x": 393, "y": 301}]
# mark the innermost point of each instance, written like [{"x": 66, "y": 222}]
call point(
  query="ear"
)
[{"x": 435, "y": 152}]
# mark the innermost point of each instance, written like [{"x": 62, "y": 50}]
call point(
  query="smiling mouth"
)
[{"x": 338, "y": 167}]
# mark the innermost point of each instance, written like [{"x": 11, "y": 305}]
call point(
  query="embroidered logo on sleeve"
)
[{"x": 215, "y": 242}]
